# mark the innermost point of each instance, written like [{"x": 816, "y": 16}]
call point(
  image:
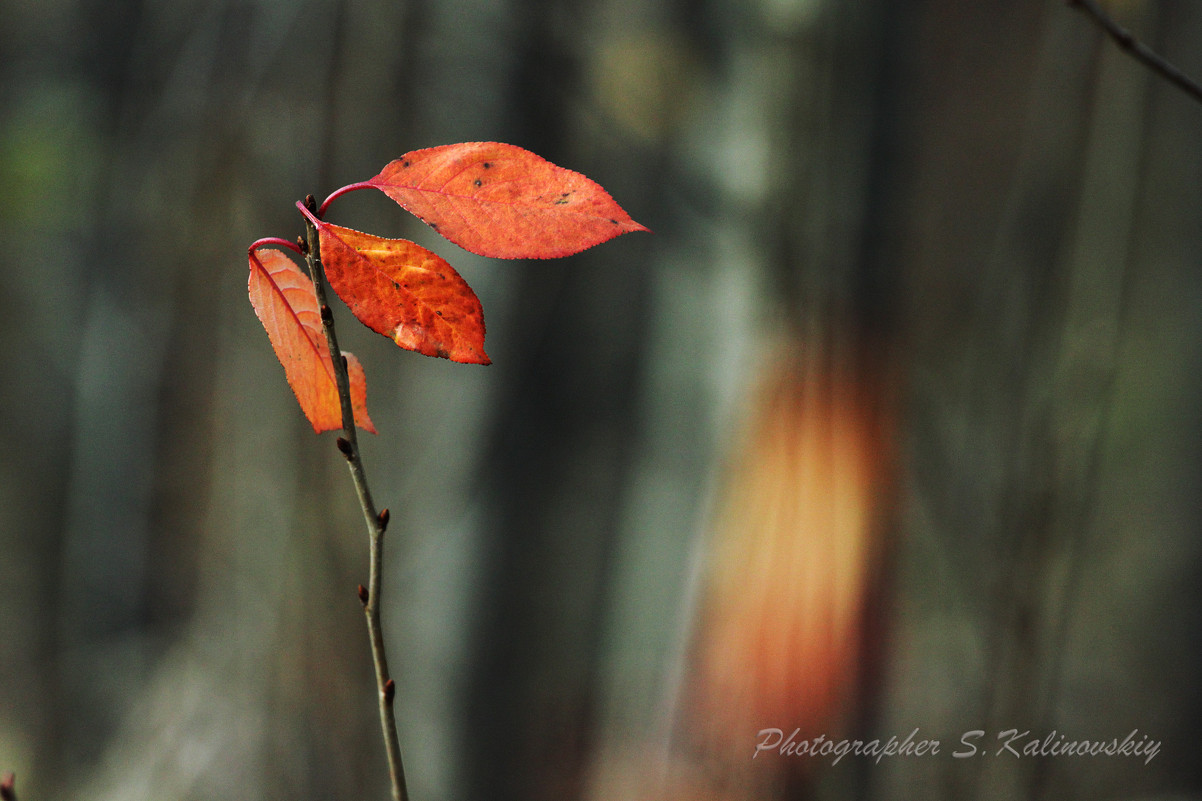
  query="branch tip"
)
[
  {"x": 344, "y": 446},
  {"x": 1129, "y": 44}
]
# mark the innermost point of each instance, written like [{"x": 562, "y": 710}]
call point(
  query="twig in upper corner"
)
[{"x": 1137, "y": 49}]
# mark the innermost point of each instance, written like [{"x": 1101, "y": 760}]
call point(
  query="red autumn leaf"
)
[
  {"x": 283, "y": 299},
  {"x": 502, "y": 201},
  {"x": 405, "y": 292}
]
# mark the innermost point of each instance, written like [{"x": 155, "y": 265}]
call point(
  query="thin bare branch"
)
[
  {"x": 1137, "y": 49},
  {"x": 348, "y": 445}
]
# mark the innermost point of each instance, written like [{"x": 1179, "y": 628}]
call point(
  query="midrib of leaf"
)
[
  {"x": 361, "y": 257},
  {"x": 327, "y": 367}
]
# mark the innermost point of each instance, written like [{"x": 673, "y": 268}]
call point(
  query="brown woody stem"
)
[{"x": 375, "y": 527}]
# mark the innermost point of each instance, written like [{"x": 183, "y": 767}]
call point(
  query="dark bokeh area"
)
[{"x": 890, "y": 429}]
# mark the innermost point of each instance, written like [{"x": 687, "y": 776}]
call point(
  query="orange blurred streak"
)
[{"x": 779, "y": 643}]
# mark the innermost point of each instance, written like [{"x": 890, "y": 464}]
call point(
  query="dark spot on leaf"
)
[
  {"x": 405, "y": 163},
  {"x": 441, "y": 352},
  {"x": 434, "y": 226},
  {"x": 478, "y": 182},
  {"x": 615, "y": 222},
  {"x": 438, "y": 312},
  {"x": 487, "y": 165},
  {"x": 395, "y": 285},
  {"x": 441, "y": 277}
]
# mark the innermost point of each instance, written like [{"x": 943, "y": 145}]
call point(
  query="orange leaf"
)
[
  {"x": 283, "y": 299},
  {"x": 405, "y": 292},
  {"x": 502, "y": 201}
]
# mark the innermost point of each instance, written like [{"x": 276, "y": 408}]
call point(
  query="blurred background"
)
[{"x": 893, "y": 424}]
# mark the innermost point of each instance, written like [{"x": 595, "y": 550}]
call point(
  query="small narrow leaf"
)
[
  {"x": 405, "y": 292},
  {"x": 283, "y": 299},
  {"x": 502, "y": 201}
]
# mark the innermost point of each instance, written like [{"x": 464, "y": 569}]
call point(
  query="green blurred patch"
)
[{"x": 49, "y": 156}]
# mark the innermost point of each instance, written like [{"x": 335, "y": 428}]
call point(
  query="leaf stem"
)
[
  {"x": 275, "y": 240},
  {"x": 1137, "y": 49},
  {"x": 348, "y": 444},
  {"x": 321, "y": 211}
]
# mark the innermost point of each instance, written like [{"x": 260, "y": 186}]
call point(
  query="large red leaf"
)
[
  {"x": 405, "y": 292},
  {"x": 502, "y": 201},
  {"x": 283, "y": 299}
]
